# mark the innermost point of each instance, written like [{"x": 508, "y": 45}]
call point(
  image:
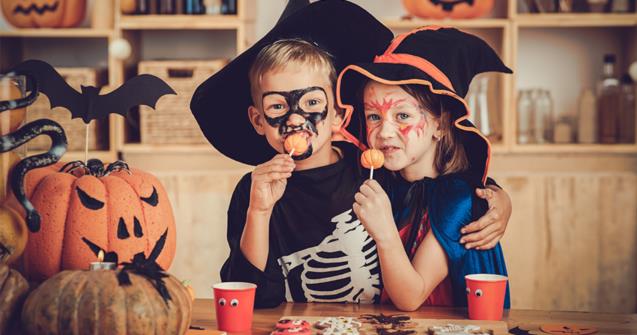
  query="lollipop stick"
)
[
  {"x": 292, "y": 152},
  {"x": 371, "y": 173}
]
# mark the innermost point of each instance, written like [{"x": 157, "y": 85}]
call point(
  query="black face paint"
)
[{"x": 294, "y": 101}]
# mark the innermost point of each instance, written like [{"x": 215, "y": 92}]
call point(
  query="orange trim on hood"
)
[
  {"x": 419, "y": 63},
  {"x": 349, "y": 109}
]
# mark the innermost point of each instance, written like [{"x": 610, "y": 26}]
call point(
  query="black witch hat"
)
[
  {"x": 220, "y": 104},
  {"x": 445, "y": 60}
]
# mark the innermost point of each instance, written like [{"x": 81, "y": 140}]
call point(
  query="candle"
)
[{"x": 100, "y": 265}]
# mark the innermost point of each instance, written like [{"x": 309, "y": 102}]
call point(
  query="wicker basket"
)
[
  {"x": 172, "y": 122},
  {"x": 75, "y": 129}
]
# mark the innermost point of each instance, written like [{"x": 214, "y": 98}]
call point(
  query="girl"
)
[{"x": 415, "y": 114}]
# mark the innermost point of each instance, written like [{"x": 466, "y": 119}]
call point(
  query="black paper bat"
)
[{"x": 88, "y": 105}]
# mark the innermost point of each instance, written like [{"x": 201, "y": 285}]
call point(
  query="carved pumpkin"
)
[
  {"x": 13, "y": 290},
  {"x": 92, "y": 302},
  {"x": 44, "y": 13},
  {"x": 455, "y": 9},
  {"x": 85, "y": 209}
]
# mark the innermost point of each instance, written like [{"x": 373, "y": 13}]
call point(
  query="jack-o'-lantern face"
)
[
  {"x": 455, "y": 9},
  {"x": 113, "y": 209},
  {"x": 44, "y": 13}
]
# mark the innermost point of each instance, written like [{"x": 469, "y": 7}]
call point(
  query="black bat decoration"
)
[{"x": 89, "y": 105}]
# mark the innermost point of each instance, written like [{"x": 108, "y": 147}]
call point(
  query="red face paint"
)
[{"x": 383, "y": 107}]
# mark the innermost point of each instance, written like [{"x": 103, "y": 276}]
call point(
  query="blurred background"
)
[{"x": 562, "y": 127}]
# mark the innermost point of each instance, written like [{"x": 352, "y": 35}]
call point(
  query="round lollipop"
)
[
  {"x": 295, "y": 144},
  {"x": 372, "y": 159}
]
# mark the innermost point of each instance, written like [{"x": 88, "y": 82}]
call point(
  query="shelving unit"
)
[
  {"x": 134, "y": 28},
  {"x": 512, "y": 34}
]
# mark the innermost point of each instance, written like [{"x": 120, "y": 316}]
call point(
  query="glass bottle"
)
[
  {"x": 543, "y": 116},
  {"x": 143, "y": 7},
  {"x": 587, "y": 118},
  {"x": 483, "y": 121},
  {"x": 608, "y": 102},
  {"x": 194, "y": 7},
  {"x": 627, "y": 111},
  {"x": 525, "y": 113},
  {"x": 166, "y": 7}
]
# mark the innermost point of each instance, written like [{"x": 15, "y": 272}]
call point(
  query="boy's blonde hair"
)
[{"x": 284, "y": 52}]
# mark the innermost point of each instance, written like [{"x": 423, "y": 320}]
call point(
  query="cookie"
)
[
  {"x": 453, "y": 329},
  {"x": 292, "y": 331},
  {"x": 289, "y": 323}
]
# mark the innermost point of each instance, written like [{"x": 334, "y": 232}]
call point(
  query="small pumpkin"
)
[
  {"x": 13, "y": 235},
  {"x": 140, "y": 298},
  {"x": 44, "y": 13},
  {"x": 13, "y": 290},
  {"x": 455, "y": 9},
  {"x": 91, "y": 302},
  {"x": 86, "y": 209}
]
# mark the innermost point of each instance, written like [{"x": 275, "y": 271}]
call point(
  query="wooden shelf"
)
[
  {"x": 575, "y": 148},
  {"x": 575, "y": 20},
  {"x": 416, "y": 23},
  {"x": 166, "y": 148},
  {"x": 171, "y": 22},
  {"x": 66, "y": 33}
]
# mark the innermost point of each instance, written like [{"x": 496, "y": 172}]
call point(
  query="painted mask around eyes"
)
[{"x": 311, "y": 103}]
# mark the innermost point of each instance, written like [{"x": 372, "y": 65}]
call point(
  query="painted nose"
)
[{"x": 295, "y": 120}]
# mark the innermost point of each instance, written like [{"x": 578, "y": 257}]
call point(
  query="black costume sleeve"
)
[
  {"x": 270, "y": 283},
  {"x": 492, "y": 182}
]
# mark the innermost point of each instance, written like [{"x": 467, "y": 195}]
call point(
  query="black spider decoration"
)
[{"x": 95, "y": 167}]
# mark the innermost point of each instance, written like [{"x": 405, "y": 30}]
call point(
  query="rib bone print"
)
[{"x": 342, "y": 268}]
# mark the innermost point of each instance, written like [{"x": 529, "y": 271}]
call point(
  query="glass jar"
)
[
  {"x": 12, "y": 88},
  {"x": 525, "y": 117}
]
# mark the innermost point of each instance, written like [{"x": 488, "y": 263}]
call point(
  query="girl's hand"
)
[
  {"x": 373, "y": 209},
  {"x": 487, "y": 231}
]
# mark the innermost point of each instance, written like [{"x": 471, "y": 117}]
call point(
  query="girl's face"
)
[{"x": 400, "y": 127}]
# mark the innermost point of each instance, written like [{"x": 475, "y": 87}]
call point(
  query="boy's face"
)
[
  {"x": 399, "y": 126},
  {"x": 296, "y": 99}
]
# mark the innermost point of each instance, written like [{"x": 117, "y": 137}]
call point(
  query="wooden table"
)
[{"x": 264, "y": 319}]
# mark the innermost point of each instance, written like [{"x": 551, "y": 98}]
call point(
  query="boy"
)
[{"x": 294, "y": 234}]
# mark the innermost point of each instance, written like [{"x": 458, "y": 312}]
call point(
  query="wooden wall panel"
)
[{"x": 571, "y": 243}]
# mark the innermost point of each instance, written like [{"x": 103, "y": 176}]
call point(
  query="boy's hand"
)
[
  {"x": 487, "y": 231},
  {"x": 373, "y": 209},
  {"x": 268, "y": 182}
]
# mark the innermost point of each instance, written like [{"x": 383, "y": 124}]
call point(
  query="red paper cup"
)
[
  {"x": 485, "y": 295},
  {"x": 234, "y": 304}
]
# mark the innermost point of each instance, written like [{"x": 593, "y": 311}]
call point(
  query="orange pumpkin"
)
[
  {"x": 44, "y": 13},
  {"x": 94, "y": 302},
  {"x": 13, "y": 291},
  {"x": 455, "y": 9},
  {"x": 85, "y": 209},
  {"x": 13, "y": 235}
]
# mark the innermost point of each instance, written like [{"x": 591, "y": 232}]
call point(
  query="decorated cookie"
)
[
  {"x": 290, "y": 323},
  {"x": 292, "y": 331},
  {"x": 453, "y": 329}
]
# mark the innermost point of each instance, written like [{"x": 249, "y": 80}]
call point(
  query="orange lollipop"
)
[
  {"x": 295, "y": 144},
  {"x": 372, "y": 159}
]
